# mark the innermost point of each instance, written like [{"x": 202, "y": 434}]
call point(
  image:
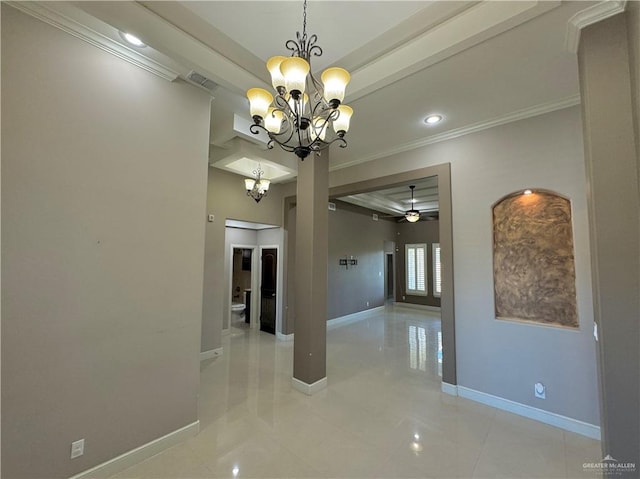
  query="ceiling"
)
[
  {"x": 477, "y": 63},
  {"x": 396, "y": 201}
]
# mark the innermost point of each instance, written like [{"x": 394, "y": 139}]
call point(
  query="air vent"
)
[
  {"x": 201, "y": 81},
  {"x": 332, "y": 206}
]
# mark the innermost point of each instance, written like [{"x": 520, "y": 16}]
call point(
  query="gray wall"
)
[
  {"x": 353, "y": 232},
  {"x": 633, "y": 33},
  {"x": 289, "y": 272},
  {"x": 505, "y": 358},
  {"x": 227, "y": 199},
  {"x": 103, "y": 202},
  {"x": 608, "y": 86},
  {"x": 408, "y": 233}
]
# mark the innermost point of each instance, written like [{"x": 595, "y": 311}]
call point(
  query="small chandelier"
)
[
  {"x": 412, "y": 215},
  {"x": 305, "y": 115},
  {"x": 258, "y": 187}
]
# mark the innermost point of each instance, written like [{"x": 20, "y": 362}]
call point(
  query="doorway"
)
[
  {"x": 238, "y": 254},
  {"x": 389, "y": 284},
  {"x": 268, "y": 289},
  {"x": 447, "y": 311},
  {"x": 241, "y": 278}
]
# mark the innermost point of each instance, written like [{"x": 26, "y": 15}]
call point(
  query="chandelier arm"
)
[
  {"x": 256, "y": 129},
  {"x": 293, "y": 47},
  {"x": 319, "y": 89},
  {"x": 288, "y": 127},
  {"x": 319, "y": 145},
  {"x": 319, "y": 109},
  {"x": 275, "y": 137},
  {"x": 326, "y": 144},
  {"x": 343, "y": 142},
  {"x": 312, "y": 48},
  {"x": 281, "y": 104}
]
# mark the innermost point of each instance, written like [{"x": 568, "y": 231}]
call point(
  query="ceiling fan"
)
[{"x": 412, "y": 215}]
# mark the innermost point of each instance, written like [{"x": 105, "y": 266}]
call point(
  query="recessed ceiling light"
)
[
  {"x": 132, "y": 40},
  {"x": 433, "y": 119}
]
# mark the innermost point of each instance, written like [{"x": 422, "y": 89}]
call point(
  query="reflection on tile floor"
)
[{"x": 381, "y": 416}]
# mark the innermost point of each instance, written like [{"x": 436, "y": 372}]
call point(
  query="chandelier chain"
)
[{"x": 304, "y": 19}]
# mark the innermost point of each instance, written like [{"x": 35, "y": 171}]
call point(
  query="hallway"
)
[{"x": 382, "y": 415}]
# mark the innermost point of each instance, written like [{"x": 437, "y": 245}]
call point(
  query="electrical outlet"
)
[
  {"x": 77, "y": 448},
  {"x": 540, "y": 391}
]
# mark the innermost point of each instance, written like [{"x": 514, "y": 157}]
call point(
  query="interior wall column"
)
[
  {"x": 311, "y": 243},
  {"x": 614, "y": 224}
]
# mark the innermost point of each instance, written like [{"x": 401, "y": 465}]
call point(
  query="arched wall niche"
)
[{"x": 533, "y": 259}]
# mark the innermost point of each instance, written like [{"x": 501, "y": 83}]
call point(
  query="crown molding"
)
[
  {"x": 589, "y": 16},
  {"x": 46, "y": 12},
  {"x": 525, "y": 113},
  {"x": 169, "y": 40}
]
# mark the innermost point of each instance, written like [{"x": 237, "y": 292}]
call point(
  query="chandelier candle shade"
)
[
  {"x": 305, "y": 115},
  {"x": 258, "y": 187}
]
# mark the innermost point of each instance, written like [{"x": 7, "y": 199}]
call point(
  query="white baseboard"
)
[
  {"x": 139, "y": 454},
  {"x": 212, "y": 353},
  {"x": 339, "y": 321},
  {"x": 422, "y": 307},
  {"x": 553, "y": 419},
  {"x": 309, "y": 389},
  {"x": 352, "y": 318},
  {"x": 450, "y": 389}
]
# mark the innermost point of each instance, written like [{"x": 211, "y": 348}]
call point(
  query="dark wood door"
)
[{"x": 268, "y": 290}]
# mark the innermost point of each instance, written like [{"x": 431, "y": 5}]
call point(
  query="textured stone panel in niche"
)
[{"x": 533, "y": 259}]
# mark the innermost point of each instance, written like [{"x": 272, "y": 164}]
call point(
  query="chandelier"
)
[
  {"x": 258, "y": 187},
  {"x": 305, "y": 115},
  {"x": 412, "y": 215}
]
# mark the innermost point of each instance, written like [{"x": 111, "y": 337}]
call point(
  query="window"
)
[
  {"x": 437, "y": 271},
  {"x": 416, "y": 265}
]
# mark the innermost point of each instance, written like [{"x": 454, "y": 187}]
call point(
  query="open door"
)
[
  {"x": 389, "y": 290},
  {"x": 268, "y": 284}
]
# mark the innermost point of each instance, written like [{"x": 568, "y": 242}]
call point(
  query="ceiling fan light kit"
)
[
  {"x": 412, "y": 215},
  {"x": 305, "y": 115}
]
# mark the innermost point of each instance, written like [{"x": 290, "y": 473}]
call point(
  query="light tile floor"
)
[{"x": 381, "y": 416}]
